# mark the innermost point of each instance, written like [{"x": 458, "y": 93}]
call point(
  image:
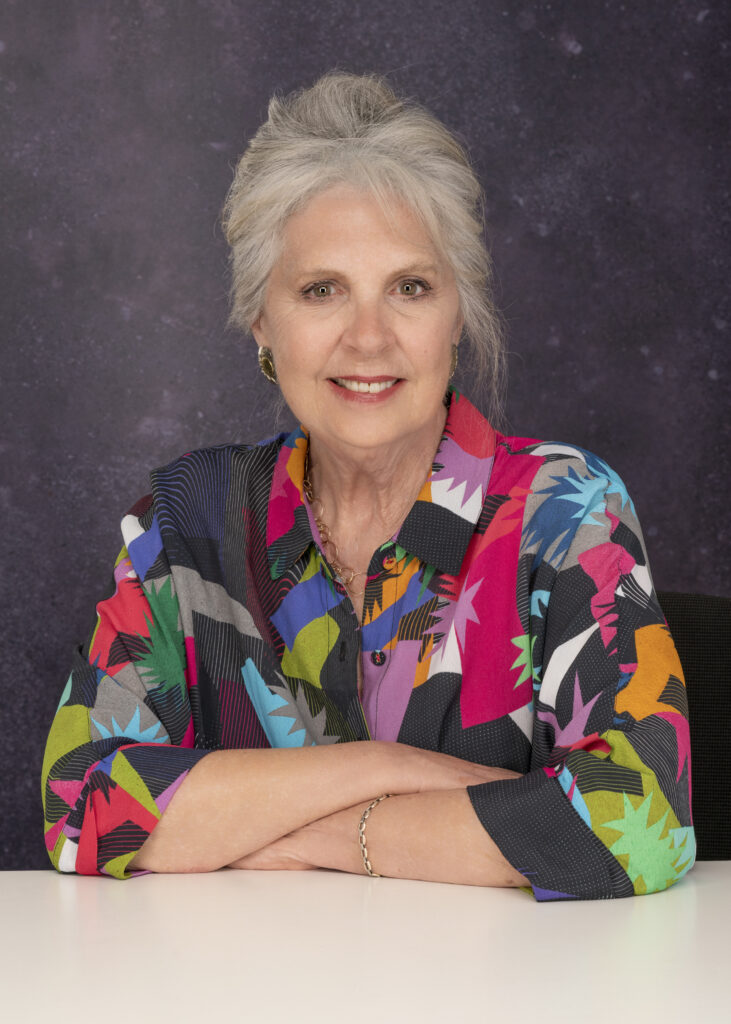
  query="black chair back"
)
[{"x": 701, "y": 628}]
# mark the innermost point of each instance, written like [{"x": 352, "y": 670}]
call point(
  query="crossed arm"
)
[{"x": 299, "y": 808}]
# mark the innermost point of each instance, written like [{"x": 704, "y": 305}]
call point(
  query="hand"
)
[
  {"x": 330, "y": 842},
  {"x": 413, "y": 770},
  {"x": 282, "y": 855}
]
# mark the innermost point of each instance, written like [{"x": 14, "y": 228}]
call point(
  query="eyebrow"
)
[{"x": 412, "y": 268}]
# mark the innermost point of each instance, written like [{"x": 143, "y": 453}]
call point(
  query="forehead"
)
[{"x": 346, "y": 223}]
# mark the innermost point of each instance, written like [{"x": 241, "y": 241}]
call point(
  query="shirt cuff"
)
[{"x": 541, "y": 835}]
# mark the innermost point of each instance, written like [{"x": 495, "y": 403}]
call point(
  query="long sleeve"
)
[
  {"x": 121, "y": 741},
  {"x": 605, "y": 809}
]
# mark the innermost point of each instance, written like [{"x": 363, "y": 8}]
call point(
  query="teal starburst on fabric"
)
[
  {"x": 653, "y": 858},
  {"x": 282, "y": 726},
  {"x": 684, "y": 841},
  {"x": 551, "y": 530},
  {"x": 66, "y": 692},
  {"x": 132, "y": 731},
  {"x": 600, "y": 468},
  {"x": 586, "y": 492},
  {"x": 539, "y": 602}
]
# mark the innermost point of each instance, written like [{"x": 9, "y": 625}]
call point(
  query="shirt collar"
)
[{"x": 440, "y": 524}]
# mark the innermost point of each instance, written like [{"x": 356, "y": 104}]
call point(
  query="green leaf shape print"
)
[
  {"x": 524, "y": 661},
  {"x": 656, "y": 855},
  {"x": 161, "y": 667}
]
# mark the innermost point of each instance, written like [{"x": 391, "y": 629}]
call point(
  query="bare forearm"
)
[
  {"x": 436, "y": 837},
  {"x": 236, "y": 801},
  {"x": 433, "y": 836}
]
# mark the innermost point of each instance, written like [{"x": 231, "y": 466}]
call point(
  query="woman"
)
[{"x": 478, "y": 607}]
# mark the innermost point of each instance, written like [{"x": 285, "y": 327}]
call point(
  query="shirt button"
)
[
  {"x": 389, "y": 562},
  {"x": 378, "y": 657}
]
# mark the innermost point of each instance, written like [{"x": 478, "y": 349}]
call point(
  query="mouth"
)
[{"x": 366, "y": 386}]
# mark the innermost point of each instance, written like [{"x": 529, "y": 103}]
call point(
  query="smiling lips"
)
[{"x": 372, "y": 386}]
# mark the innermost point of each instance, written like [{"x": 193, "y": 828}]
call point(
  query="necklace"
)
[{"x": 344, "y": 573}]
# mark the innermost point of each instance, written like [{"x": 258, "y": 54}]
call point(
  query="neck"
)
[{"x": 371, "y": 489}]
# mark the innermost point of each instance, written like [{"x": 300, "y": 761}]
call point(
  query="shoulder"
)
[
  {"x": 550, "y": 467},
  {"x": 206, "y": 473},
  {"x": 191, "y": 493},
  {"x": 214, "y": 465},
  {"x": 566, "y": 491}
]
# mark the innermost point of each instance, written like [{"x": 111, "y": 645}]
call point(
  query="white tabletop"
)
[{"x": 322, "y": 946}]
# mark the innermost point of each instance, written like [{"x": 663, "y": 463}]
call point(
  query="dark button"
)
[
  {"x": 389, "y": 562},
  {"x": 378, "y": 657}
]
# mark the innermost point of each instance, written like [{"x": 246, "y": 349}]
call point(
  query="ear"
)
[{"x": 258, "y": 332}]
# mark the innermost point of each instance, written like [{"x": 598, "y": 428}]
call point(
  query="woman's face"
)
[{"x": 360, "y": 313}]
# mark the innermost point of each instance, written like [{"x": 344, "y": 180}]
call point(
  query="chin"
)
[{"x": 378, "y": 431}]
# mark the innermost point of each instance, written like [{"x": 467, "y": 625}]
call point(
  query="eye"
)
[
  {"x": 319, "y": 290},
  {"x": 412, "y": 288}
]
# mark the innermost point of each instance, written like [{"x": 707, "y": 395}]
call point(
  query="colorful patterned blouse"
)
[{"x": 511, "y": 621}]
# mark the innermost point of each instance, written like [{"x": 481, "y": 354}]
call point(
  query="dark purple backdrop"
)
[{"x": 597, "y": 129}]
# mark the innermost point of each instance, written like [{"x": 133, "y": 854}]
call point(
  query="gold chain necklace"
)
[{"x": 344, "y": 573}]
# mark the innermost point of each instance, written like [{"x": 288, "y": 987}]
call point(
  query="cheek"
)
[
  {"x": 301, "y": 342},
  {"x": 291, "y": 348},
  {"x": 302, "y": 360},
  {"x": 436, "y": 349}
]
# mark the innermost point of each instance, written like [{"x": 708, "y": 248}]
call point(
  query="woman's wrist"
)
[{"x": 362, "y": 825}]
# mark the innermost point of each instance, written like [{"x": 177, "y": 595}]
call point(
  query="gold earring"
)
[
  {"x": 453, "y": 364},
  {"x": 266, "y": 364}
]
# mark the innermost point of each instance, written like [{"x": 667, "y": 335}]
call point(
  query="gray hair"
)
[{"x": 353, "y": 129}]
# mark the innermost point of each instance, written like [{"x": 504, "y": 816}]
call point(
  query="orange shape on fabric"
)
[
  {"x": 422, "y": 666},
  {"x": 657, "y": 660},
  {"x": 508, "y": 517},
  {"x": 296, "y": 464},
  {"x": 425, "y": 492}
]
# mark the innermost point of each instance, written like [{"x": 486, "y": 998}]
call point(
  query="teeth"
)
[{"x": 362, "y": 387}]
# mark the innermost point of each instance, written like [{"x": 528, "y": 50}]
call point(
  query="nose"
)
[{"x": 368, "y": 329}]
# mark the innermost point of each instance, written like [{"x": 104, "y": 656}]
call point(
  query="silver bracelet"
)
[{"x": 362, "y": 834}]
